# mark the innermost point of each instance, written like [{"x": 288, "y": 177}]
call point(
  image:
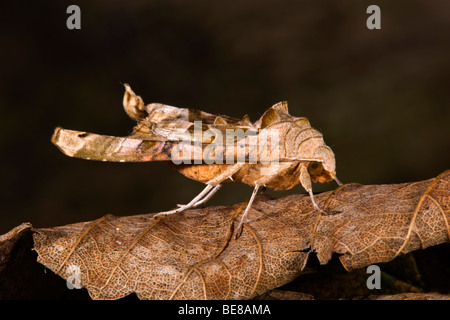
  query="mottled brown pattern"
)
[
  {"x": 155, "y": 137},
  {"x": 194, "y": 255}
]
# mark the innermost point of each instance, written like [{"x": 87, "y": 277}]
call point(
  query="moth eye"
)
[{"x": 315, "y": 168}]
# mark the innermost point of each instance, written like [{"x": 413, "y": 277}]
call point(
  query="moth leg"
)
[
  {"x": 250, "y": 202},
  {"x": 216, "y": 182},
  {"x": 222, "y": 177},
  {"x": 190, "y": 204},
  {"x": 205, "y": 198},
  {"x": 211, "y": 188},
  {"x": 305, "y": 180},
  {"x": 338, "y": 181}
]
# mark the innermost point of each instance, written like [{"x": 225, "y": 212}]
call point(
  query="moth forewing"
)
[
  {"x": 270, "y": 151},
  {"x": 241, "y": 146},
  {"x": 214, "y": 151},
  {"x": 91, "y": 146}
]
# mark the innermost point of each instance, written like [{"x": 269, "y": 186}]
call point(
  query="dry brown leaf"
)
[
  {"x": 411, "y": 296},
  {"x": 193, "y": 255},
  {"x": 8, "y": 241},
  {"x": 276, "y": 294}
]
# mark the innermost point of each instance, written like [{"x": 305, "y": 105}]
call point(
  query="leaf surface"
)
[{"x": 194, "y": 255}]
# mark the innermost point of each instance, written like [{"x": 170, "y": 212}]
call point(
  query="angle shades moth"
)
[{"x": 277, "y": 151}]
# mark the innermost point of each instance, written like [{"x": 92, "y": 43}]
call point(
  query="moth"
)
[{"x": 183, "y": 138}]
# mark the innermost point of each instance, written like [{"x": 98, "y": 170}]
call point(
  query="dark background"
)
[{"x": 380, "y": 97}]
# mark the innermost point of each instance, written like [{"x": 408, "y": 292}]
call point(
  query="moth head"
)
[{"x": 325, "y": 170}]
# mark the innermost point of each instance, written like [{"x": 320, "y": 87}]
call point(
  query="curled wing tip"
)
[{"x": 55, "y": 135}]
